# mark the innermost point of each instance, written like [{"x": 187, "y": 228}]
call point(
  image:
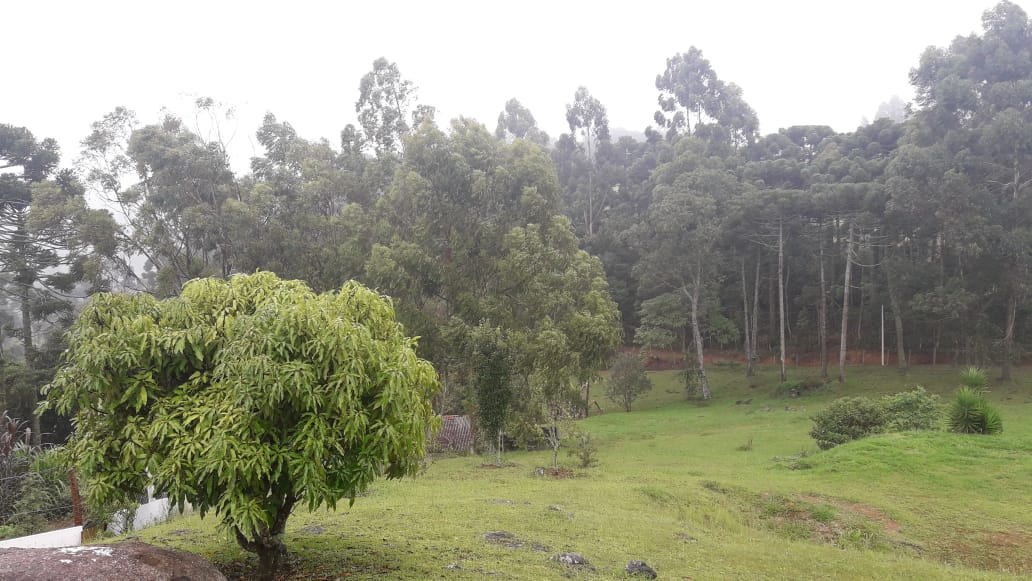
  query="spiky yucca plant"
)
[
  {"x": 972, "y": 414},
  {"x": 974, "y": 378}
]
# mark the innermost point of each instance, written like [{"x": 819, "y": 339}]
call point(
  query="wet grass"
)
[{"x": 677, "y": 487}]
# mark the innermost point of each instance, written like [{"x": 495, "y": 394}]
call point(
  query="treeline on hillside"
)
[{"x": 517, "y": 257}]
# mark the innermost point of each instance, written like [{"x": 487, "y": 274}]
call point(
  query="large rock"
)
[
  {"x": 137, "y": 561},
  {"x": 640, "y": 568}
]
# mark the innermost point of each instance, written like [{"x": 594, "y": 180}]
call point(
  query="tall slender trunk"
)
[
  {"x": 749, "y": 371},
  {"x": 822, "y": 308},
  {"x": 781, "y": 295},
  {"x": 860, "y": 314},
  {"x": 756, "y": 310},
  {"x": 25, "y": 298},
  {"x": 772, "y": 314},
  {"x": 587, "y": 396},
  {"x": 897, "y": 316},
  {"x": 693, "y": 298},
  {"x": 845, "y": 307},
  {"x": 498, "y": 448},
  {"x": 935, "y": 342},
  {"x": 1008, "y": 336}
]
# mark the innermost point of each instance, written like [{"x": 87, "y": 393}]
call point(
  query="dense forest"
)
[{"x": 523, "y": 261}]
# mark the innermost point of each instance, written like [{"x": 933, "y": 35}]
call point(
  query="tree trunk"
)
[
  {"x": 697, "y": 337},
  {"x": 860, "y": 313},
  {"x": 904, "y": 364},
  {"x": 781, "y": 296},
  {"x": 772, "y": 312},
  {"x": 845, "y": 307},
  {"x": 935, "y": 342},
  {"x": 25, "y": 298},
  {"x": 898, "y": 317},
  {"x": 268, "y": 544},
  {"x": 1008, "y": 336},
  {"x": 498, "y": 448},
  {"x": 822, "y": 309},
  {"x": 749, "y": 372},
  {"x": 756, "y": 310}
]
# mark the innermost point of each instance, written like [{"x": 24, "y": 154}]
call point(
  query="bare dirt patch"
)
[
  {"x": 888, "y": 525},
  {"x": 1008, "y": 551}
]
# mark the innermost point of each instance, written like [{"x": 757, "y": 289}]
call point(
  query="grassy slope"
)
[{"x": 674, "y": 490}]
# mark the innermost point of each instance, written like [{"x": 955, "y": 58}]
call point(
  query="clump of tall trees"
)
[{"x": 522, "y": 260}]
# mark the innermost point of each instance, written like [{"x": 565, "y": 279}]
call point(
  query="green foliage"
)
[
  {"x": 45, "y": 494},
  {"x": 847, "y": 419},
  {"x": 627, "y": 380},
  {"x": 822, "y": 513},
  {"x": 244, "y": 397},
  {"x": 912, "y": 410},
  {"x": 852, "y": 418},
  {"x": 493, "y": 384},
  {"x": 581, "y": 446},
  {"x": 692, "y": 378},
  {"x": 971, "y": 413},
  {"x": 974, "y": 378},
  {"x": 787, "y": 389}
]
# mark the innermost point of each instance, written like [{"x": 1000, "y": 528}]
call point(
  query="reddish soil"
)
[
  {"x": 887, "y": 524},
  {"x": 1009, "y": 551}
]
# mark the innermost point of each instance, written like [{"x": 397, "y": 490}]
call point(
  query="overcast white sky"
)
[{"x": 798, "y": 61}]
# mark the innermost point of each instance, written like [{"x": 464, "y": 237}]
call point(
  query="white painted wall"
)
[{"x": 69, "y": 537}]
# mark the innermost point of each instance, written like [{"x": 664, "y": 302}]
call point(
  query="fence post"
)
[{"x": 73, "y": 483}]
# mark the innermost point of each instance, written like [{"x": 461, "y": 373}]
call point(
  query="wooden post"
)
[
  {"x": 883, "y": 335},
  {"x": 73, "y": 483}
]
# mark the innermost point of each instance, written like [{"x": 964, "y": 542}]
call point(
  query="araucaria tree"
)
[{"x": 244, "y": 397}]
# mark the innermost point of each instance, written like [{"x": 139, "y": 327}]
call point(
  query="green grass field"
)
[{"x": 716, "y": 491}]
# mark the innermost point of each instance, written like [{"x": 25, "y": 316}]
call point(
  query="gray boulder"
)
[
  {"x": 571, "y": 560},
  {"x": 132, "y": 560},
  {"x": 640, "y": 568}
]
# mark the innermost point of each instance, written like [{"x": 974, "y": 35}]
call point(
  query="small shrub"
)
[
  {"x": 692, "y": 382},
  {"x": 777, "y": 505},
  {"x": 822, "y": 514},
  {"x": 974, "y": 378},
  {"x": 787, "y": 389},
  {"x": 44, "y": 494},
  {"x": 847, "y": 419},
  {"x": 971, "y": 413},
  {"x": 807, "y": 386},
  {"x": 714, "y": 486},
  {"x": 627, "y": 380},
  {"x": 582, "y": 447},
  {"x": 912, "y": 410},
  {"x": 863, "y": 535}
]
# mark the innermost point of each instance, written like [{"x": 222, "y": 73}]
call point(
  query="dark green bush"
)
[
  {"x": 912, "y": 410},
  {"x": 627, "y": 380},
  {"x": 971, "y": 413},
  {"x": 848, "y": 419},
  {"x": 852, "y": 418},
  {"x": 787, "y": 389}
]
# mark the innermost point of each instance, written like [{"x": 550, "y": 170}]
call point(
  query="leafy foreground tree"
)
[{"x": 245, "y": 397}]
